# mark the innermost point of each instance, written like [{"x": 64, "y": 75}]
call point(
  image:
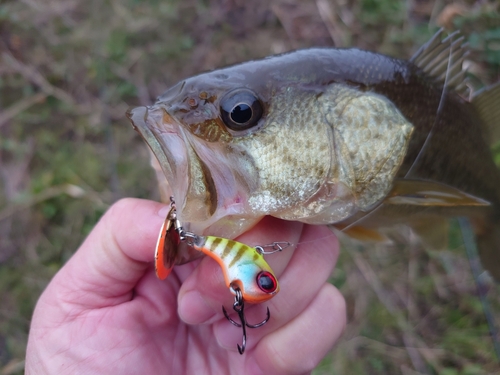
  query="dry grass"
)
[{"x": 70, "y": 68}]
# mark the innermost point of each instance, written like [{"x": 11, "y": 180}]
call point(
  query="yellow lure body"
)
[{"x": 243, "y": 267}]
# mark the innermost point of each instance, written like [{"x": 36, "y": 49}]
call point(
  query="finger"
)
[
  {"x": 299, "y": 346},
  {"x": 204, "y": 292},
  {"x": 114, "y": 256},
  {"x": 311, "y": 266},
  {"x": 307, "y": 272}
]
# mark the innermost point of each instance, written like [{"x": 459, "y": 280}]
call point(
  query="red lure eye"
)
[{"x": 267, "y": 282}]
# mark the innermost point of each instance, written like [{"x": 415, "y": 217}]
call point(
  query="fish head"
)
[
  {"x": 271, "y": 137},
  {"x": 210, "y": 175}
]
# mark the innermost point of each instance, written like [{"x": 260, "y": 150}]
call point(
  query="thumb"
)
[{"x": 115, "y": 255}]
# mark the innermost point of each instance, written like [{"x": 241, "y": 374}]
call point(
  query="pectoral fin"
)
[
  {"x": 434, "y": 233},
  {"x": 362, "y": 234},
  {"x": 488, "y": 243},
  {"x": 428, "y": 193}
]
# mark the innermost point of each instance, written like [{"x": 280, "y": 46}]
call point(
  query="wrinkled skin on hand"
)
[{"x": 106, "y": 313}]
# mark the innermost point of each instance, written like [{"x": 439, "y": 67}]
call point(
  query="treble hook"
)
[{"x": 239, "y": 306}]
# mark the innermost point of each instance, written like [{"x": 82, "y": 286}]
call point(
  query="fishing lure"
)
[
  {"x": 246, "y": 273},
  {"x": 167, "y": 245}
]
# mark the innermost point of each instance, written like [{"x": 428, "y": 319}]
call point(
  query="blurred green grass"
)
[{"x": 70, "y": 69}]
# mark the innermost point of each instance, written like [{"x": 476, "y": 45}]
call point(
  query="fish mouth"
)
[
  {"x": 199, "y": 188},
  {"x": 164, "y": 137},
  {"x": 210, "y": 196}
]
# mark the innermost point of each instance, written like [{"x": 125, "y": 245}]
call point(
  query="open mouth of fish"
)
[
  {"x": 167, "y": 144},
  {"x": 206, "y": 203}
]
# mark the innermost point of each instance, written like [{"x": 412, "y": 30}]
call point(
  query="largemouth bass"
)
[{"x": 331, "y": 136}]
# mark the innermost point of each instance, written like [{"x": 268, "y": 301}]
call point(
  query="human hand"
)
[{"x": 105, "y": 312}]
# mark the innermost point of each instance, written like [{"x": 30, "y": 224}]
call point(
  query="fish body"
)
[{"x": 328, "y": 136}]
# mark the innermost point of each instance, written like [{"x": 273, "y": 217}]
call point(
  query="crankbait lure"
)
[
  {"x": 243, "y": 267},
  {"x": 246, "y": 273}
]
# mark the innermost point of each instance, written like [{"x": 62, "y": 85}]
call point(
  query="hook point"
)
[{"x": 239, "y": 307}]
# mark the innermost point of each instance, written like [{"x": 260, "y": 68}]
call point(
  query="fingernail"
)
[
  {"x": 193, "y": 308},
  {"x": 163, "y": 212}
]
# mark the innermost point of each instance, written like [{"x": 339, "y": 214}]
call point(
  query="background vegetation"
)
[{"x": 69, "y": 69}]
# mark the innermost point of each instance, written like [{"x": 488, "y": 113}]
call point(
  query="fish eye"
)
[
  {"x": 267, "y": 282},
  {"x": 240, "y": 109}
]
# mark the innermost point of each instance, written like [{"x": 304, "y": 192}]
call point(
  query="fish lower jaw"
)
[
  {"x": 231, "y": 219},
  {"x": 230, "y": 226}
]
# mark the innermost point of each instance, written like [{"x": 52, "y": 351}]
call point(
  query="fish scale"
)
[{"x": 273, "y": 157}]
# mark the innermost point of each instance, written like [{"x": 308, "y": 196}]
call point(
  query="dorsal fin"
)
[
  {"x": 487, "y": 103},
  {"x": 443, "y": 60}
]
